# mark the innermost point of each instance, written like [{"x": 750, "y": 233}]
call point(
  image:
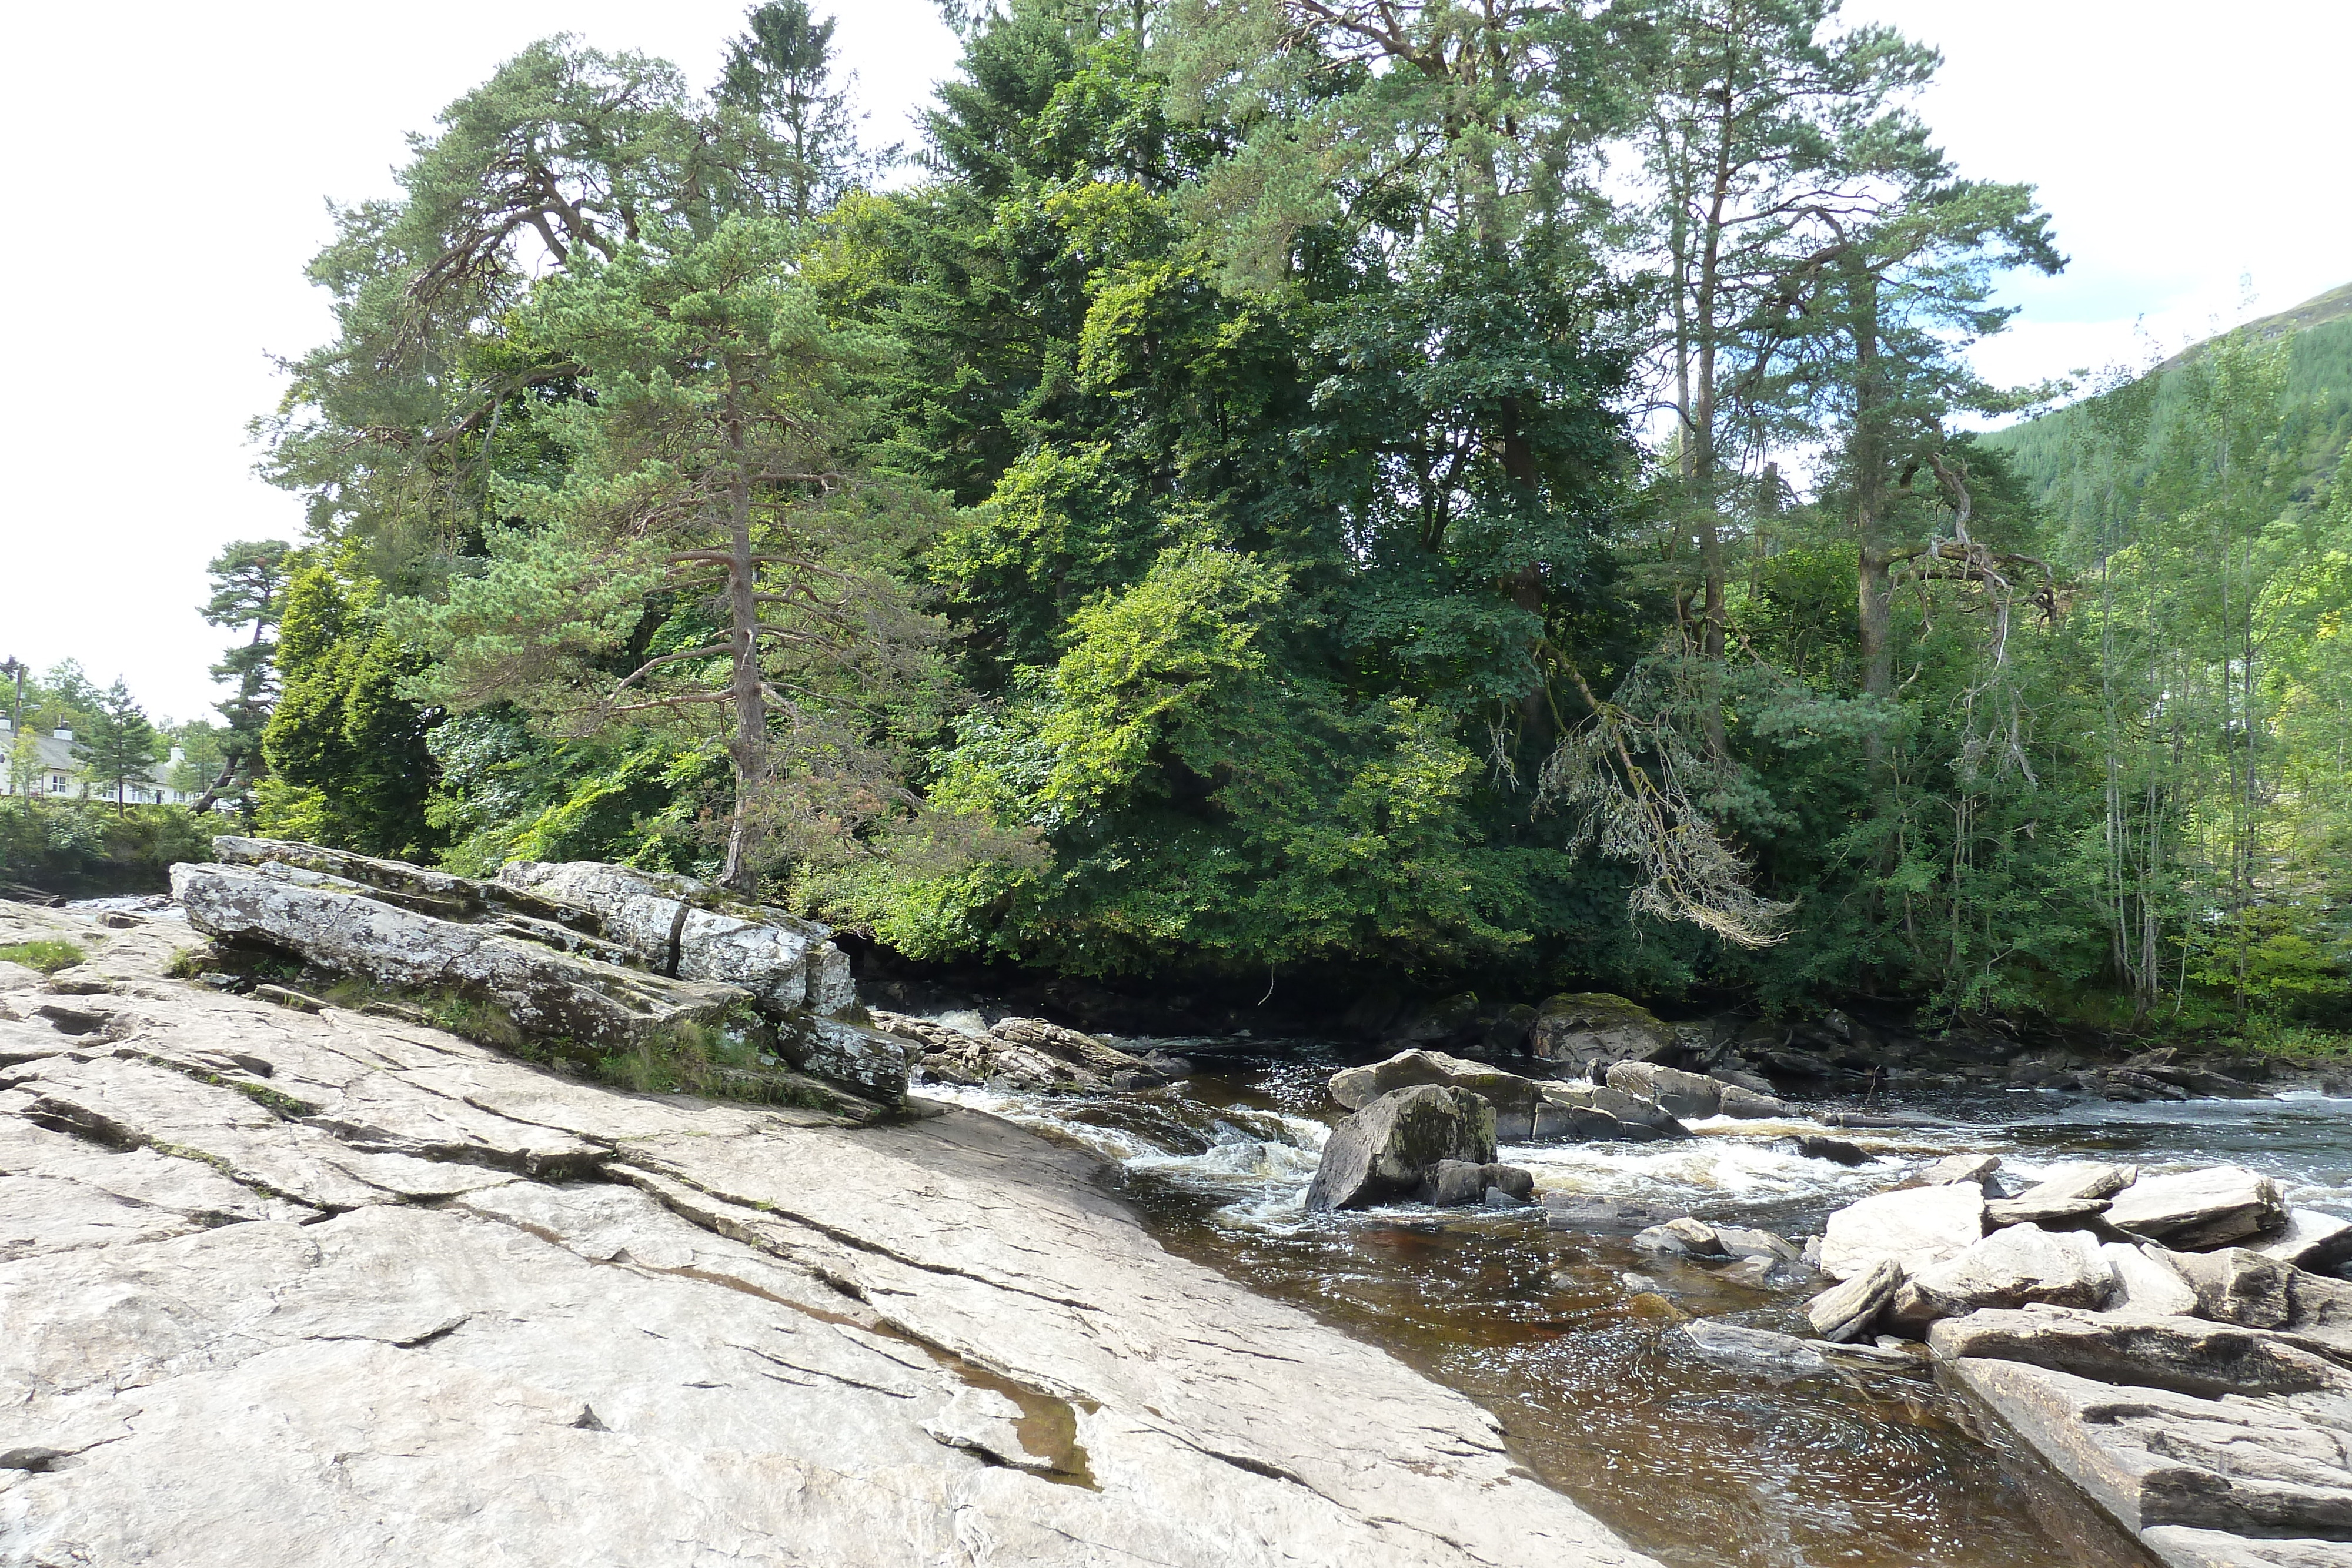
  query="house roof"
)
[{"x": 57, "y": 757}]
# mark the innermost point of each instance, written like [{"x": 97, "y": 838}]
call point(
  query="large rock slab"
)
[
  {"x": 2191, "y": 1211},
  {"x": 1385, "y": 1150},
  {"x": 1584, "y": 1027},
  {"x": 542, "y": 990},
  {"x": 1917, "y": 1227},
  {"x": 1513, "y": 1097},
  {"x": 2153, "y": 1458},
  {"x": 2313, "y": 1240},
  {"x": 762, "y": 1337},
  {"x": 2187, "y": 1355},
  {"x": 688, "y": 929},
  {"x": 2013, "y": 1268},
  {"x": 1845, "y": 1311},
  {"x": 2146, "y": 1283}
]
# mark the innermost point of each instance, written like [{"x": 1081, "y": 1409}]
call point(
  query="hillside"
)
[{"x": 2318, "y": 395}]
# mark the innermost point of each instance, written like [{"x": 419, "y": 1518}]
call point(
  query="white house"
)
[{"x": 61, "y": 773}]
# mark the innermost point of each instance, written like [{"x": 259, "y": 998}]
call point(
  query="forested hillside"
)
[
  {"x": 1333, "y": 490},
  {"x": 2315, "y": 413}
]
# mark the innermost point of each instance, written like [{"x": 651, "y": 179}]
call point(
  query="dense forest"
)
[{"x": 1315, "y": 489}]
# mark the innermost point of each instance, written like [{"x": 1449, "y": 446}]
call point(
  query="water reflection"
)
[{"x": 1570, "y": 1338}]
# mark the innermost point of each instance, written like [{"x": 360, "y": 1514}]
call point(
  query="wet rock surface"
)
[
  {"x": 1390, "y": 1146},
  {"x": 288, "y": 1287}
]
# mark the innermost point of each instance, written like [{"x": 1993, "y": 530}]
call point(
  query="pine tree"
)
[{"x": 115, "y": 745}]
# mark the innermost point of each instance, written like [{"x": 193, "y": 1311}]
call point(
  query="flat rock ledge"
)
[
  {"x": 287, "y": 1287},
  {"x": 2162, "y": 1341}
]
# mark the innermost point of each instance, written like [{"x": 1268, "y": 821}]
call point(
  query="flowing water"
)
[{"x": 1568, "y": 1338}]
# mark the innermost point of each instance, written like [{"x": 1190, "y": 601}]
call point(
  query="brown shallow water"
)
[{"x": 1570, "y": 1339}]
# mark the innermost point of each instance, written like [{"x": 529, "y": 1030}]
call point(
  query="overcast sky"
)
[{"x": 170, "y": 166}]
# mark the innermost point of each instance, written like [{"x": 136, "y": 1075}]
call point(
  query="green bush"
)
[{"x": 82, "y": 849}]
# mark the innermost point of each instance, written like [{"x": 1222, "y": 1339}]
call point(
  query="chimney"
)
[
  {"x": 63, "y": 733},
  {"x": 179, "y": 755}
]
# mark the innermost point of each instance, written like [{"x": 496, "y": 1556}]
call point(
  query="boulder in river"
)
[
  {"x": 1602, "y": 1216},
  {"x": 1384, "y": 1150},
  {"x": 1811, "y": 1146},
  {"x": 1460, "y": 1184},
  {"x": 1513, "y": 1097},
  {"x": 2319, "y": 1242},
  {"x": 1584, "y": 1027},
  {"x": 1690, "y": 1096},
  {"x": 2192, "y": 1210},
  {"x": 1917, "y": 1227},
  {"x": 1596, "y": 1113},
  {"x": 2009, "y": 1268},
  {"x": 1845, "y": 1311},
  {"x": 1953, "y": 1170}
]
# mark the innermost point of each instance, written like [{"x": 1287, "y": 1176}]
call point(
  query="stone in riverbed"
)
[
  {"x": 1594, "y": 1113},
  {"x": 2011, "y": 1268},
  {"x": 1845, "y": 1311},
  {"x": 2087, "y": 1180},
  {"x": 1689, "y": 1096},
  {"x": 2193, "y": 1210},
  {"x": 1588, "y": 1027},
  {"x": 1460, "y": 1184},
  {"x": 1383, "y": 1151},
  {"x": 2236, "y": 1286},
  {"x": 2146, "y": 1284},
  {"x": 2187, "y": 1355},
  {"x": 1776, "y": 1356},
  {"x": 1953, "y": 1170},
  {"x": 1603, "y": 1215},
  {"x": 2311, "y": 1240},
  {"x": 1514, "y": 1097},
  {"x": 1811, "y": 1146},
  {"x": 1917, "y": 1227},
  {"x": 2064, "y": 1214}
]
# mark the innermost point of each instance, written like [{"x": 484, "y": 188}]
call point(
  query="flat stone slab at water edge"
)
[
  {"x": 328, "y": 1288},
  {"x": 1690, "y": 1096},
  {"x": 2159, "y": 1461}
]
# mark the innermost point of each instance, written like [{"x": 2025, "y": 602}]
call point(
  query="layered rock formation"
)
[
  {"x": 2149, "y": 1336},
  {"x": 578, "y": 958},
  {"x": 290, "y": 1287}
]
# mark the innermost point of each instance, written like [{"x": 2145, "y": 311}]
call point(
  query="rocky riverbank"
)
[{"x": 287, "y": 1281}]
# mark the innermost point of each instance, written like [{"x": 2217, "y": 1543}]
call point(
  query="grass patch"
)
[{"x": 48, "y": 957}]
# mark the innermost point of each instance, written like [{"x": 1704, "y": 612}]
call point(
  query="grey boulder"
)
[
  {"x": 1384, "y": 1150},
  {"x": 2192, "y": 1210},
  {"x": 2011, "y": 1268},
  {"x": 1845, "y": 1311},
  {"x": 1917, "y": 1227},
  {"x": 1588, "y": 1026},
  {"x": 1689, "y": 1096},
  {"x": 1759, "y": 1352},
  {"x": 688, "y": 929},
  {"x": 2311, "y": 1240},
  {"x": 1514, "y": 1097},
  {"x": 543, "y": 990}
]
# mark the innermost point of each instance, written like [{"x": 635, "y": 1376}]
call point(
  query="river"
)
[{"x": 1570, "y": 1340}]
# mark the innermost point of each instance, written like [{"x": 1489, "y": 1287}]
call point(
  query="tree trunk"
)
[{"x": 749, "y": 749}]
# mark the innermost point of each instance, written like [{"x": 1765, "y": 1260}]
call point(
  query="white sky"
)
[{"x": 171, "y": 163}]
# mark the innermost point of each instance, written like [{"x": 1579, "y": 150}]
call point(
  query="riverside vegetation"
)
[{"x": 1272, "y": 496}]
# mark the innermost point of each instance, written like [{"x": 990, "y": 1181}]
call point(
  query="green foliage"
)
[
  {"x": 117, "y": 747},
  {"x": 47, "y": 957},
  {"x": 83, "y": 848},
  {"x": 345, "y": 749}
]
